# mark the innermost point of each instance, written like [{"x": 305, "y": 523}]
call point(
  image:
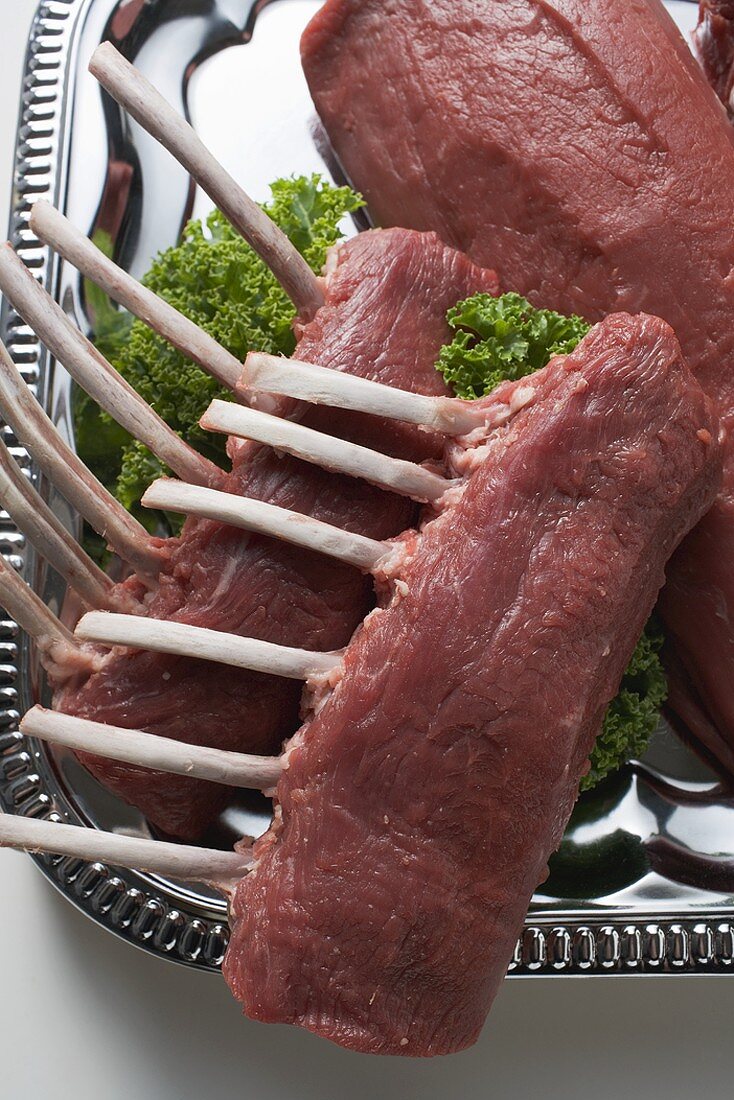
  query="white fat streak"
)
[
  {"x": 333, "y": 257},
  {"x": 522, "y": 397}
]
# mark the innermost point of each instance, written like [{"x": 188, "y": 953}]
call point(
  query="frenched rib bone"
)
[
  {"x": 69, "y": 242},
  {"x": 232, "y": 768},
  {"x": 35, "y": 431},
  {"x": 221, "y": 869},
  {"x": 95, "y": 375},
  {"x": 44, "y": 530},
  {"x": 146, "y": 105}
]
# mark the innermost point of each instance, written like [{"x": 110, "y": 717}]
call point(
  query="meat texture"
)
[
  {"x": 420, "y": 804},
  {"x": 576, "y": 146},
  {"x": 384, "y": 318},
  {"x": 713, "y": 40}
]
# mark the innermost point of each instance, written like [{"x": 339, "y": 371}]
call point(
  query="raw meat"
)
[
  {"x": 419, "y": 806},
  {"x": 714, "y": 43},
  {"x": 576, "y": 146}
]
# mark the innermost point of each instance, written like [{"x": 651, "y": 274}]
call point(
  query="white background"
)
[{"x": 85, "y": 1016}]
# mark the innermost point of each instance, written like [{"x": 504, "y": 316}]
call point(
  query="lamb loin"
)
[
  {"x": 576, "y": 146},
  {"x": 384, "y": 318},
  {"x": 419, "y": 805}
]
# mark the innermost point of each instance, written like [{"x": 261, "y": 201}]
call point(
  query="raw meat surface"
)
[
  {"x": 420, "y": 805},
  {"x": 714, "y": 43},
  {"x": 384, "y": 319},
  {"x": 576, "y": 146}
]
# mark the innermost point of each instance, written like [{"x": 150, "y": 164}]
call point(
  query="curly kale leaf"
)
[
  {"x": 501, "y": 339},
  {"x": 309, "y": 212},
  {"x": 634, "y": 713},
  {"x": 505, "y": 338}
]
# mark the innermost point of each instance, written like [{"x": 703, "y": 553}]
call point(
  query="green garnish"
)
[
  {"x": 505, "y": 338},
  {"x": 634, "y": 713}
]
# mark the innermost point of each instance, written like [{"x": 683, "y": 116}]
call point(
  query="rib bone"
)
[
  {"x": 338, "y": 455},
  {"x": 53, "y": 228},
  {"x": 34, "y": 518},
  {"x": 50, "y": 635},
  {"x": 68, "y": 473},
  {"x": 180, "y": 861},
  {"x": 145, "y": 749},
  {"x": 184, "y": 640},
  {"x": 136, "y": 94},
  {"x": 266, "y": 519},
  {"x": 95, "y": 375},
  {"x": 323, "y": 386}
]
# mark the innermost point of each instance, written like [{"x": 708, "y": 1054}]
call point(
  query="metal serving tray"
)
[{"x": 614, "y": 904}]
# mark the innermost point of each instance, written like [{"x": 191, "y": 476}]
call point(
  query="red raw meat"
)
[
  {"x": 576, "y": 146},
  {"x": 418, "y": 808},
  {"x": 714, "y": 43}
]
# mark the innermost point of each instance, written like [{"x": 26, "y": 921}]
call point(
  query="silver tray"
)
[{"x": 614, "y": 904}]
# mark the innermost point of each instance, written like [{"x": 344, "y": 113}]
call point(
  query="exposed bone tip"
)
[
  {"x": 28, "y": 718},
  {"x": 105, "y": 51},
  {"x": 329, "y": 452},
  {"x": 321, "y": 385},
  {"x": 185, "y": 640},
  {"x": 149, "y": 497},
  {"x": 132, "y": 91},
  {"x": 221, "y": 869},
  {"x": 38, "y": 211},
  {"x": 88, "y": 621},
  {"x": 265, "y": 519}
]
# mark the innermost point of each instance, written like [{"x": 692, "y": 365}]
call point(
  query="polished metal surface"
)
[{"x": 644, "y": 881}]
